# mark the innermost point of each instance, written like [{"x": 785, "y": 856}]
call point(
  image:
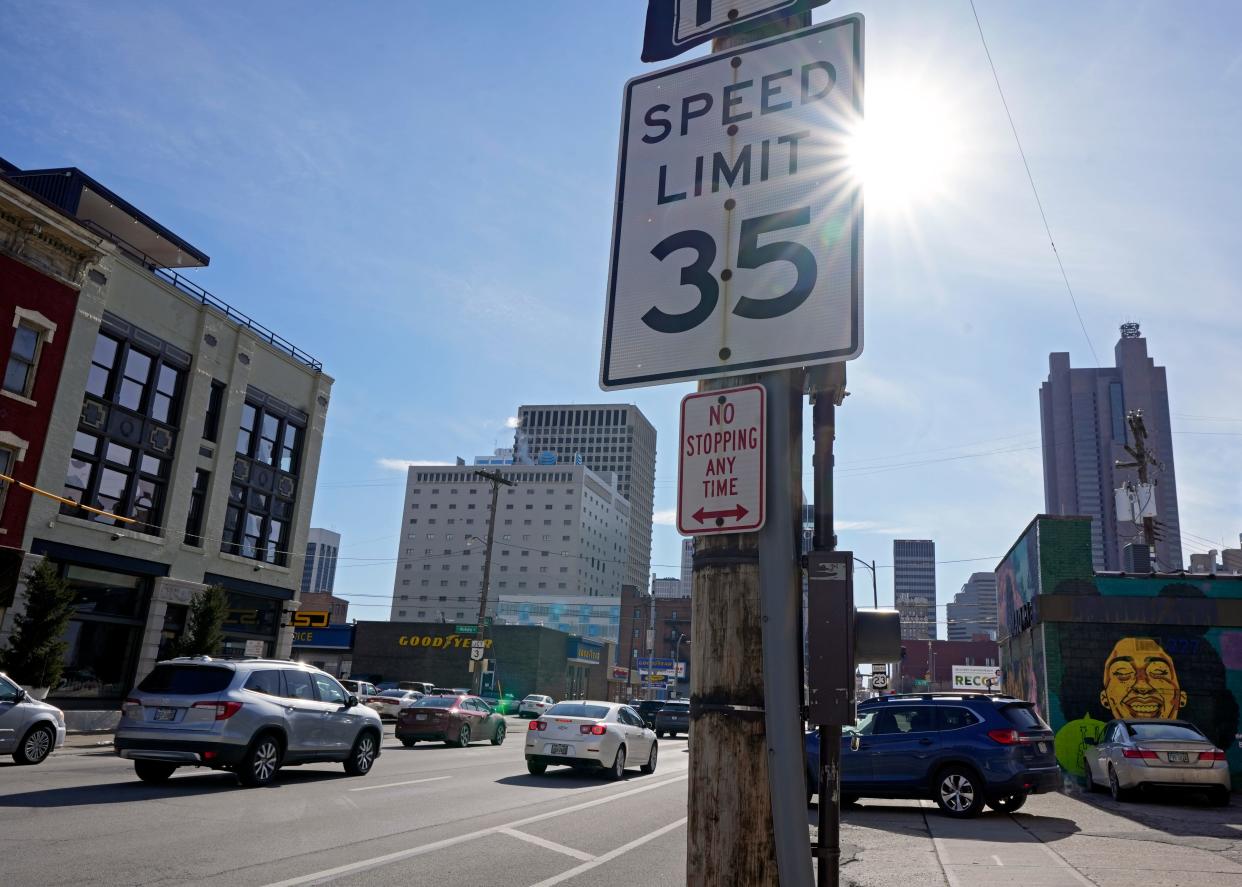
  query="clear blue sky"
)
[{"x": 420, "y": 194}]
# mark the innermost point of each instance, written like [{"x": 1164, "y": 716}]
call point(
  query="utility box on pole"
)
[{"x": 830, "y": 632}]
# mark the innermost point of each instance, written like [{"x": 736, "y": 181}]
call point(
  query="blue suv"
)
[{"x": 960, "y": 750}]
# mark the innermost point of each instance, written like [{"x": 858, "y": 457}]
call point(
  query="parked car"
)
[
  {"x": 455, "y": 720},
  {"x": 505, "y": 703},
  {"x": 672, "y": 718},
  {"x": 647, "y": 710},
  {"x": 960, "y": 750},
  {"x": 30, "y": 729},
  {"x": 421, "y": 686},
  {"x": 534, "y": 705},
  {"x": 390, "y": 702},
  {"x": 589, "y": 735},
  {"x": 364, "y": 690},
  {"x": 1145, "y": 753},
  {"x": 250, "y": 716}
]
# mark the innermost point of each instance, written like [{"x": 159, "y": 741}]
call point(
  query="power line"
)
[{"x": 1030, "y": 178}]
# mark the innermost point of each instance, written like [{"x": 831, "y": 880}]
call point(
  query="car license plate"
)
[
  {"x": 1178, "y": 757},
  {"x": 165, "y": 714},
  {"x": 420, "y": 717},
  {"x": 558, "y": 749},
  {"x": 1043, "y": 747}
]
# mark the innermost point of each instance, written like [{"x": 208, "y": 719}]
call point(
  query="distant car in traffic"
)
[
  {"x": 457, "y": 719},
  {"x": 534, "y": 705},
  {"x": 390, "y": 702},
  {"x": 505, "y": 703},
  {"x": 590, "y": 735},
  {"x": 364, "y": 690},
  {"x": 30, "y": 729},
  {"x": 962, "y": 750},
  {"x": 672, "y": 718},
  {"x": 647, "y": 710},
  {"x": 421, "y": 686},
  {"x": 251, "y": 716},
  {"x": 1130, "y": 755}
]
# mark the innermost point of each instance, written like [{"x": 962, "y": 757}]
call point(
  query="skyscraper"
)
[
  {"x": 1083, "y": 417},
  {"x": 914, "y": 587},
  {"x": 973, "y": 609},
  {"x": 607, "y": 438},
  {"x": 319, "y": 568},
  {"x": 687, "y": 565}
]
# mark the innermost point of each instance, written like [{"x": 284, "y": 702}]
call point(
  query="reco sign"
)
[{"x": 737, "y": 235}]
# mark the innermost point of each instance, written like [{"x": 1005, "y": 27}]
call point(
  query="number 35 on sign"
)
[{"x": 737, "y": 235}]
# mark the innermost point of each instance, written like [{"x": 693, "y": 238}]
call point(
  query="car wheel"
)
[
  {"x": 650, "y": 766},
  {"x": 1092, "y": 788},
  {"x": 958, "y": 792},
  {"x": 153, "y": 772},
  {"x": 535, "y": 768},
  {"x": 36, "y": 746},
  {"x": 1114, "y": 786},
  {"x": 262, "y": 760},
  {"x": 617, "y": 771},
  {"x": 1008, "y": 803},
  {"x": 409, "y": 743},
  {"x": 463, "y": 736},
  {"x": 499, "y": 736},
  {"x": 659, "y": 734},
  {"x": 362, "y": 755}
]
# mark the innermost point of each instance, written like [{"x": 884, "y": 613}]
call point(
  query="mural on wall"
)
[{"x": 1016, "y": 587}]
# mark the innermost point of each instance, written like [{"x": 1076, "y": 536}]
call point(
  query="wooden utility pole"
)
[{"x": 496, "y": 480}]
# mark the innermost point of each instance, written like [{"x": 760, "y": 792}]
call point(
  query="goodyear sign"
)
[
  {"x": 440, "y": 642},
  {"x": 582, "y": 650}
]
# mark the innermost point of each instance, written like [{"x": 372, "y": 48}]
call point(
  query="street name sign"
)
[
  {"x": 720, "y": 461},
  {"x": 673, "y": 26},
  {"x": 737, "y": 232}
]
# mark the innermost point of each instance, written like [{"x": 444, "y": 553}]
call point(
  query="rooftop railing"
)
[{"x": 195, "y": 291}]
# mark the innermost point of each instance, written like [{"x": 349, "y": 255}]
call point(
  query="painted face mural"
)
[{"x": 1140, "y": 681}]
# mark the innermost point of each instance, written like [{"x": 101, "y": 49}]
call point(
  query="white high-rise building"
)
[
  {"x": 687, "y": 565},
  {"x": 668, "y": 587},
  {"x": 319, "y": 567},
  {"x": 561, "y": 531},
  {"x": 606, "y": 438}
]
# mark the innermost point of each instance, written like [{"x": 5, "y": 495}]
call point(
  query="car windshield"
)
[
  {"x": 1184, "y": 732},
  {"x": 186, "y": 680},
  {"x": 578, "y": 710},
  {"x": 436, "y": 702}
]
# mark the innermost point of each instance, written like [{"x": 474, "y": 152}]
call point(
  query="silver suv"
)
[
  {"x": 29, "y": 728},
  {"x": 250, "y": 716}
]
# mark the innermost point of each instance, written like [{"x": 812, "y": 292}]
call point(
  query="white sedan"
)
[
  {"x": 589, "y": 735},
  {"x": 534, "y": 705},
  {"x": 389, "y": 703}
]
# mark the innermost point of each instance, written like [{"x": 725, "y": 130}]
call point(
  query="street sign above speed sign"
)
[{"x": 737, "y": 235}]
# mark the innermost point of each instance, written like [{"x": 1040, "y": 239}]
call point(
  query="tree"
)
[
  {"x": 36, "y": 653},
  {"x": 204, "y": 632}
]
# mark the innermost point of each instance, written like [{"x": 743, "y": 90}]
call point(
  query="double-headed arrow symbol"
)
[{"x": 737, "y": 512}]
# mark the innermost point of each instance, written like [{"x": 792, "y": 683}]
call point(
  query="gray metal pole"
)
[
  {"x": 780, "y": 602},
  {"x": 828, "y": 846},
  {"x": 496, "y": 480}
]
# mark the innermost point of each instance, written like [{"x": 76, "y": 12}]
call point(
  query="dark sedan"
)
[
  {"x": 453, "y": 720},
  {"x": 673, "y": 718},
  {"x": 647, "y": 709}
]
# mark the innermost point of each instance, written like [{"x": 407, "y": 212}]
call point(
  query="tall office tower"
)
[
  {"x": 687, "y": 565},
  {"x": 561, "y": 534},
  {"x": 914, "y": 586},
  {"x": 668, "y": 587},
  {"x": 607, "y": 438},
  {"x": 1083, "y": 416},
  {"x": 973, "y": 609},
  {"x": 319, "y": 568}
]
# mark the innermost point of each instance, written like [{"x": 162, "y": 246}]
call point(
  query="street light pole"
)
[
  {"x": 496, "y": 480},
  {"x": 875, "y": 595}
]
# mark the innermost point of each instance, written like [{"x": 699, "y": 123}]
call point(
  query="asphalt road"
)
[{"x": 433, "y": 815}]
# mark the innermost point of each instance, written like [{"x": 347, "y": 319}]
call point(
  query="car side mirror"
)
[
  {"x": 21, "y": 695},
  {"x": 1089, "y": 740},
  {"x": 351, "y": 701}
]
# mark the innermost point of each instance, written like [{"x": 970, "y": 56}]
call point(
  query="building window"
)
[
  {"x": 23, "y": 358},
  {"x": 215, "y": 403},
  {"x": 7, "y": 458},
  {"x": 198, "y": 507},
  {"x": 262, "y": 497},
  {"x": 127, "y": 429}
]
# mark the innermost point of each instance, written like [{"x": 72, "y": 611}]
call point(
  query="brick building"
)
[
  {"x": 654, "y": 627},
  {"x": 935, "y": 659}
]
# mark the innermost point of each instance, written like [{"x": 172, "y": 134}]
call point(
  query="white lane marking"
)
[
  {"x": 377, "y": 861},
  {"x": 371, "y": 788},
  {"x": 1064, "y": 863},
  {"x": 546, "y": 844},
  {"x": 998, "y": 859},
  {"x": 611, "y": 854}
]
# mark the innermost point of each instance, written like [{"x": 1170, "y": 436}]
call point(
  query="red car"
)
[{"x": 455, "y": 720}]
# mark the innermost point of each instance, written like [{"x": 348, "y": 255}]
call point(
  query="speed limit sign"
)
[{"x": 737, "y": 234}]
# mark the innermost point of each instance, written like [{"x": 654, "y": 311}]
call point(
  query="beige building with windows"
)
[
  {"x": 562, "y": 531},
  {"x": 197, "y": 427}
]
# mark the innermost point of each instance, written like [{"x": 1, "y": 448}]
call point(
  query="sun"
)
[{"x": 906, "y": 151}]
